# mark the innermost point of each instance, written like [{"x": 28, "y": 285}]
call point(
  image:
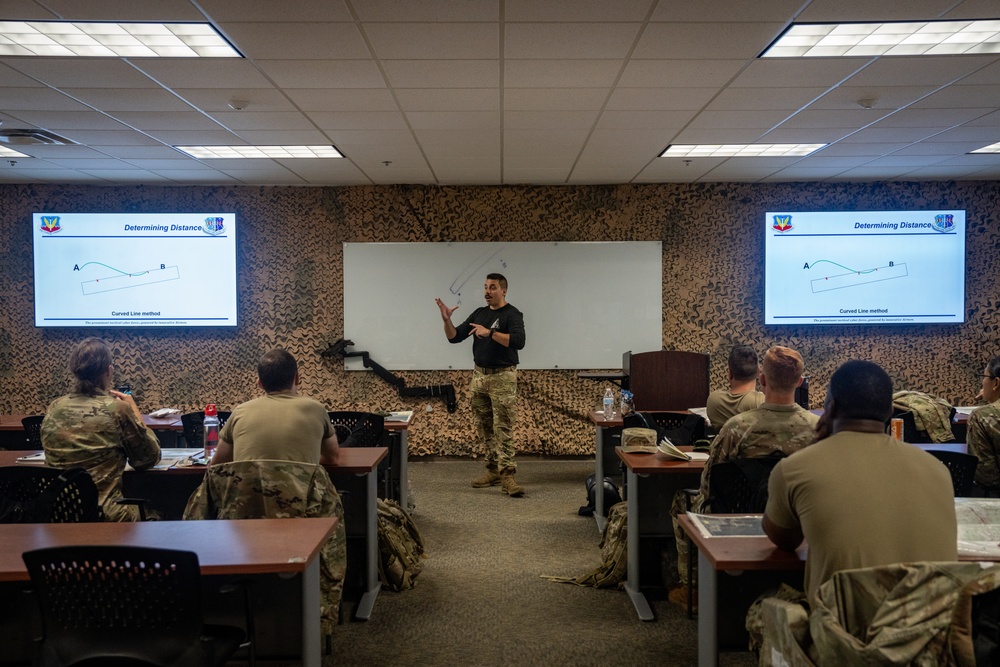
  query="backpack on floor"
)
[
  {"x": 400, "y": 547},
  {"x": 612, "y": 496},
  {"x": 614, "y": 554}
]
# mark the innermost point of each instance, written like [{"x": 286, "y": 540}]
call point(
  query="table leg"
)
[
  {"x": 372, "y": 584},
  {"x": 404, "y": 475},
  {"x": 599, "y": 480},
  {"x": 311, "y": 629},
  {"x": 708, "y": 628},
  {"x": 632, "y": 581}
]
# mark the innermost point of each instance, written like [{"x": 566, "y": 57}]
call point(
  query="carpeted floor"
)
[{"x": 481, "y": 600}]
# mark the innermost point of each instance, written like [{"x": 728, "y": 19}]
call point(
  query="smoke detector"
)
[{"x": 32, "y": 137}]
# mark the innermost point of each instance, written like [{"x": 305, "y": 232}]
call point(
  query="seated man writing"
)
[{"x": 859, "y": 497}]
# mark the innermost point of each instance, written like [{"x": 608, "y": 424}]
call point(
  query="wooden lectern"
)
[{"x": 667, "y": 379}]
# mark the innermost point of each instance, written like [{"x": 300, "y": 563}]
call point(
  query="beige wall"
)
[{"x": 291, "y": 291}]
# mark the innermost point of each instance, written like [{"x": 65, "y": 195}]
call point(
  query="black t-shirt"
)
[{"x": 488, "y": 353}]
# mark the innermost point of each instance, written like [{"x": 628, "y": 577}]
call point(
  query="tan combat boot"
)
[
  {"x": 490, "y": 478},
  {"x": 510, "y": 485}
]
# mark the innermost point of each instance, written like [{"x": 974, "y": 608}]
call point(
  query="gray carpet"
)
[{"x": 480, "y": 599}]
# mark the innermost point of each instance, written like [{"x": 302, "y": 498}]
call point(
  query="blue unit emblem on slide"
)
[
  {"x": 782, "y": 223},
  {"x": 214, "y": 226},
  {"x": 50, "y": 224},
  {"x": 944, "y": 222}
]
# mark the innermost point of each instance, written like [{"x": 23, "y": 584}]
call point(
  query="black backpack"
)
[{"x": 612, "y": 496}]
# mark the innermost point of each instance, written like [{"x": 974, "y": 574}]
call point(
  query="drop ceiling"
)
[{"x": 486, "y": 92}]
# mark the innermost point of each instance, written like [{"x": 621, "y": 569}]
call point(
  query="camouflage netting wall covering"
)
[{"x": 291, "y": 291}]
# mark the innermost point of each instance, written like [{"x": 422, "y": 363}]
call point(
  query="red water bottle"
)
[{"x": 211, "y": 427}]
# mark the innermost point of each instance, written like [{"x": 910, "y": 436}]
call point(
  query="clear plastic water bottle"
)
[
  {"x": 609, "y": 405},
  {"x": 211, "y": 426}
]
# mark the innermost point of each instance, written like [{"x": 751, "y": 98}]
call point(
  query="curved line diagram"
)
[
  {"x": 847, "y": 268},
  {"x": 855, "y": 278},
  {"x": 124, "y": 273}
]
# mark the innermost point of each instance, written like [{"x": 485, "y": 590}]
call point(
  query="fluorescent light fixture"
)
[
  {"x": 113, "y": 40},
  {"x": 740, "y": 150},
  {"x": 992, "y": 148},
  {"x": 904, "y": 38},
  {"x": 9, "y": 152},
  {"x": 272, "y": 152}
]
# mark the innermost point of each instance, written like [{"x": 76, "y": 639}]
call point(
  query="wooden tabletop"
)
[
  {"x": 168, "y": 423},
  {"x": 223, "y": 547},
  {"x": 659, "y": 464},
  {"x": 353, "y": 461}
]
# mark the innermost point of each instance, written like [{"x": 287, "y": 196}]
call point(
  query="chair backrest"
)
[
  {"x": 962, "y": 468},
  {"x": 679, "y": 427},
  {"x": 667, "y": 379},
  {"x": 33, "y": 494},
  {"x": 194, "y": 432},
  {"x": 739, "y": 486},
  {"x": 128, "y": 602},
  {"x": 359, "y": 429},
  {"x": 32, "y": 431}
]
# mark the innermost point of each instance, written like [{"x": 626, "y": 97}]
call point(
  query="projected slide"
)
[
  {"x": 135, "y": 270},
  {"x": 864, "y": 267}
]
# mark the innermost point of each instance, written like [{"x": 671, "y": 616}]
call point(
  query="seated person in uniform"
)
[
  {"x": 280, "y": 425},
  {"x": 98, "y": 429},
  {"x": 984, "y": 432},
  {"x": 859, "y": 497},
  {"x": 742, "y": 394},
  {"x": 778, "y": 425}
]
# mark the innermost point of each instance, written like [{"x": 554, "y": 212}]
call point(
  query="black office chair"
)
[
  {"x": 962, "y": 468},
  {"x": 365, "y": 429},
  {"x": 33, "y": 494},
  {"x": 32, "y": 431},
  {"x": 104, "y": 605},
  {"x": 194, "y": 431}
]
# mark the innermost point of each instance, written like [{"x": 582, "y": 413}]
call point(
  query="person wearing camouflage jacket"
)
[
  {"x": 984, "y": 431},
  {"x": 98, "y": 429},
  {"x": 280, "y": 489}
]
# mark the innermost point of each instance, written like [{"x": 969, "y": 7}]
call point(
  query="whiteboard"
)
[{"x": 584, "y": 304}]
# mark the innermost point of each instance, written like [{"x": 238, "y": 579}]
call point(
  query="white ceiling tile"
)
[
  {"x": 203, "y": 72},
  {"x": 468, "y": 171},
  {"x": 448, "y": 99},
  {"x": 189, "y": 177},
  {"x": 914, "y": 117},
  {"x": 872, "y": 173},
  {"x": 252, "y": 120},
  {"x": 946, "y": 148},
  {"x": 427, "y": 10},
  {"x": 554, "y": 99},
  {"x": 20, "y": 99},
  {"x": 807, "y": 135},
  {"x": 743, "y": 169},
  {"x": 918, "y": 71},
  {"x": 533, "y": 144},
  {"x": 551, "y": 120},
  {"x": 83, "y": 72},
  {"x": 217, "y": 99},
  {"x": 105, "y": 138},
  {"x": 841, "y": 162},
  {"x": 988, "y": 135},
  {"x": 358, "y": 120},
  {"x": 153, "y": 164},
  {"x": 400, "y": 176},
  {"x": 323, "y": 73},
  {"x": 297, "y": 41},
  {"x": 886, "y": 98},
  {"x": 861, "y": 149},
  {"x": 53, "y": 153},
  {"x": 795, "y": 72},
  {"x": 274, "y": 12},
  {"x": 458, "y": 143},
  {"x": 598, "y": 11},
  {"x": 125, "y": 99},
  {"x": 732, "y": 99},
  {"x": 557, "y": 41},
  {"x": 11, "y": 78},
  {"x": 443, "y": 73},
  {"x": 941, "y": 173},
  {"x": 892, "y": 134},
  {"x": 283, "y": 137},
  {"x": 646, "y": 143},
  {"x": 131, "y": 153},
  {"x": 549, "y": 162},
  {"x": 166, "y": 120},
  {"x": 898, "y": 160},
  {"x": 821, "y": 11},
  {"x": 535, "y": 176},
  {"x": 986, "y": 76},
  {"x": 764, "y": 119},
  {"x": 561, "y": 73},
  {"x": 434, "y": 41},
  {"x": 664, "y": 170},
  {"x": 218, "y": 137},
  {"x": 962, "y": 97},
  {"x": 820, "y": 118},
  {"x": 724, "y": 10},
  {"x": 989, "y": 120},
  {"x": 342, "y": 99},
  {"x": 459, "y": 120},
  {"x": 660, "y": 99},
  {"x": 346, "y": 139},
  {"x": 695, "y": 41},
  {"x": 796, "y": 173},
  {"x": 273, "y": 176},
  {"x": 679, "y": 73},
  {"x": 669, "y": 121},
  {"x": 57, "y": 121},
  {"x": 123, "y": 175},
  {"x": 714, "y": 135},
  {"x": 124, "y": 10}
]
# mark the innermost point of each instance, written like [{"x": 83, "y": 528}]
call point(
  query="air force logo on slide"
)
[
  {"x": 944, "y": 222},
  {"x": 214, "y": 226},
  {"x": 782, "y": 223},
  {"x": 50, "y": 224}
]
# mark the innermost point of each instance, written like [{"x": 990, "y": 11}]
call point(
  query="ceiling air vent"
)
[{"x": 29, "y": 137}]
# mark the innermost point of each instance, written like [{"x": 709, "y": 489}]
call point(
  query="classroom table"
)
[
  {"x": 758, "y": 554},
  {"x": 285, "y": 547},
  {"x": 168, "y": 429},
  {"x": 674, "y": 475},
  {"x": 602, "y": 443},
  {"x": 400, "y": 431},
  {"x": 173, "y": 486}
]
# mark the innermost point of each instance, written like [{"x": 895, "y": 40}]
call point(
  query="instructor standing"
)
[{"x": 498, "y": 330}]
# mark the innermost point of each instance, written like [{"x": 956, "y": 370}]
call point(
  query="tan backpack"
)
[{"x": 614, "y": 554}]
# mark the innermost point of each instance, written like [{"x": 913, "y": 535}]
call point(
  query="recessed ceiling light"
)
[
  {"x": 113, "y": 40},
  {"x": 10, "y": 152},
  {"x": 272, "y": 152},
  {"x": 904, "y": 38},
  {"x": 740, "y": 150},
  {"x": 992, "y": 148}
]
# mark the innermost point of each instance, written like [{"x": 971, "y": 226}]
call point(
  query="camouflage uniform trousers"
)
[
  {"x": 280, "y": 489},
  {"x": 494, "y": 398}
]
